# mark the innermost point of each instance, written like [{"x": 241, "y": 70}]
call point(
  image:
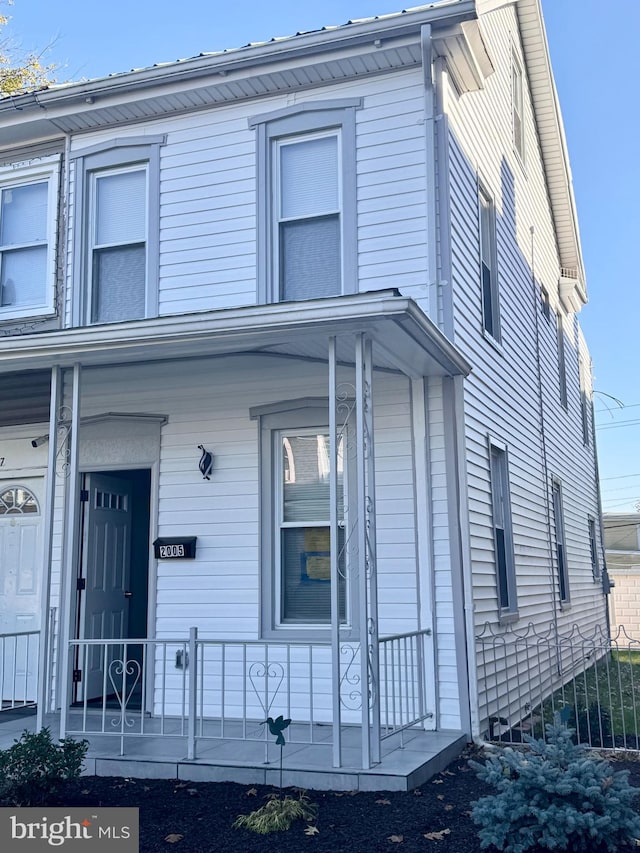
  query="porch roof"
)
[{"x": 404, "y": 337}]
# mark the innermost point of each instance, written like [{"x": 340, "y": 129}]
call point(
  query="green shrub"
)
[
  {"x": 555, "y": 797},
  {"x": 34, "y": 768},
  {"x": 277, "y": 814}
]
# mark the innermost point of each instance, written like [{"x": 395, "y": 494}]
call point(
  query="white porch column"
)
[
  {"x": 333, "y": 549},
  {"x": 371, "y": 555},
  {"x": 71, "y": 549},
  {"x": 44, "y": 650},
  {"x": 366, "y": 556}
]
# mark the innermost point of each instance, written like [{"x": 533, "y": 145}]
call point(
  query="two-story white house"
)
[{"x": 293, "y": 397}]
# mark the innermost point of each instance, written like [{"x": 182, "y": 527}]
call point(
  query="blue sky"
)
[{"x": 596, "y": 61}]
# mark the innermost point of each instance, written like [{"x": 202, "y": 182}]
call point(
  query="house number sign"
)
[{"x": 175, "y": 548}]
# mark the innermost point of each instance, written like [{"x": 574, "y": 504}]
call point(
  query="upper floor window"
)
[
  {"x": 488, "y": 265},
  {"x": 517, "y": 106},
  {"x": 27, "y": 240},
  {"x": 585, "y": 405},
  {"x": 117, "y": 253},
  {"x": 560, "y": 542},
  {"x": 116, "y": 257},
  {"x": 307, "y": 201},
  {"x": 593, "y": 548},
  {"x": 562, "y": 366},
  {"x": 502, "y": 530},
  {"x": 307, "y": 255}
]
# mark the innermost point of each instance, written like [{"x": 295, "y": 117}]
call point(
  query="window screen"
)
[
  {"x": 309, "y": 250},
  {"x": 118, "y": 273},
  {"x": 23, "y": 245}
]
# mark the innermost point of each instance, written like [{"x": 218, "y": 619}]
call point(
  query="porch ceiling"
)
[{"x": 405, "y": 339}]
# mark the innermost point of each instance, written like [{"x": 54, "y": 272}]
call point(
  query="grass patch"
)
[{"x": 600, "y": 702}]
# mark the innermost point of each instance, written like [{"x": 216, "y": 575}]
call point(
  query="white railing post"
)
[
  {"x": 371, "y": 545},
  {"x": 193, "y": 699}
]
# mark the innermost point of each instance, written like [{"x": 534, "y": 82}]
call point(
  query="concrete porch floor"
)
[{"x": 405, "y": 764}]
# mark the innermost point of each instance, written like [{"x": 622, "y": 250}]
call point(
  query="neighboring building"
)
[
  {"x": 346, "y": 264},
  {"x": 622, "y": 544}
]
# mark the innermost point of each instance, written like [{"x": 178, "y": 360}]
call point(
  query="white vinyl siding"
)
[
  {"x": 502, "y": 394},
  {"x": 220, "y": 591},
  {"x": 27, "y": 241}
]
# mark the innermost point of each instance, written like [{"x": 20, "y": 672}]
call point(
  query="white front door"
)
[
  {"x": 20, "y": 588},
  {"x": 106, "y": 572}
]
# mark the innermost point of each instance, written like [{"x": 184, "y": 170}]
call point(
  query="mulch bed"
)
[{"x": 186, "y": 817}]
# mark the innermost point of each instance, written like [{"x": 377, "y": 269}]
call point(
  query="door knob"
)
[{"x": 128, "y": 594}]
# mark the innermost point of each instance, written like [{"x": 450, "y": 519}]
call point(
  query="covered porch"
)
[
  {"x": 361, "y": 682},
  {"x": 403, "y": 766}
]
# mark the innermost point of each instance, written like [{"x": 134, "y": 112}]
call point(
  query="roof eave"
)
[
  {"x": 536, "y": 50},
  {"x": 290, "y": 48}
]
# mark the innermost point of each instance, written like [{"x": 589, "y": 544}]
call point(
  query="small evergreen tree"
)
[{"x": 555, "y": 797}]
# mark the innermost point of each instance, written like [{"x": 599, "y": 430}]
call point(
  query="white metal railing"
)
[
  {"x": 19, "y": 669},
  {"x": 128, "y": 688},
  {"x": 205, "y": 689},
  {"x": 241, "y": 684},
  {"x": 402, "y": 682}
]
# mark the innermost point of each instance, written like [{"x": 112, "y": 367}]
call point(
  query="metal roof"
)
[{"x": 75, "y": 107}]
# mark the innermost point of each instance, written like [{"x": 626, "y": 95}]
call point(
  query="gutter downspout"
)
[{"x": 441, "y": 309}]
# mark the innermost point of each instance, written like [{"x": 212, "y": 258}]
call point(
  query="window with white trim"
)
[
  {"x": 502, "y": 531},
  {"x": 307, "y": 193},
  {"x": 296, "y": 521},
  {"x": 116, "y": 235},
  {"x": 488, "y": 265},
  {"x": 307, "y": 201},
  {"x": 593, "y": 548},
  {"x": 560, "y": 542},
  {"x": 517, "y": 106},
  {"x": 28, "y": 221},
  {"x": 302, "y": 542},
  {"x": 585, "y": 404},
  {"x": 562, "y": 366},
  {"x": 117, "y": 245}
]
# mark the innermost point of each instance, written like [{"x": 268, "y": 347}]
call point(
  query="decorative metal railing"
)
[
  {"x": 402, "y": 687},
  {"x": 204, "y": 689},
  {"x": 19, "y": 654},
  {"x": 585, "y": 679}
]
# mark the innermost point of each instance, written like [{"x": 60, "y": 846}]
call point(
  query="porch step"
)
[
  {"x": 406, "y": 763},
  {"x": 401, "y": 769}
]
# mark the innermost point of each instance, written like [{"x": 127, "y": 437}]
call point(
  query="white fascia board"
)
[
  {"x": 552, "y": 139},
  {"x": 253, "y": 56},
  {"x": 413, "y": 338}
]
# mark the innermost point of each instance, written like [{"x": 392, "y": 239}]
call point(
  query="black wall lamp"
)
[{"x": 206, "y": 462}]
